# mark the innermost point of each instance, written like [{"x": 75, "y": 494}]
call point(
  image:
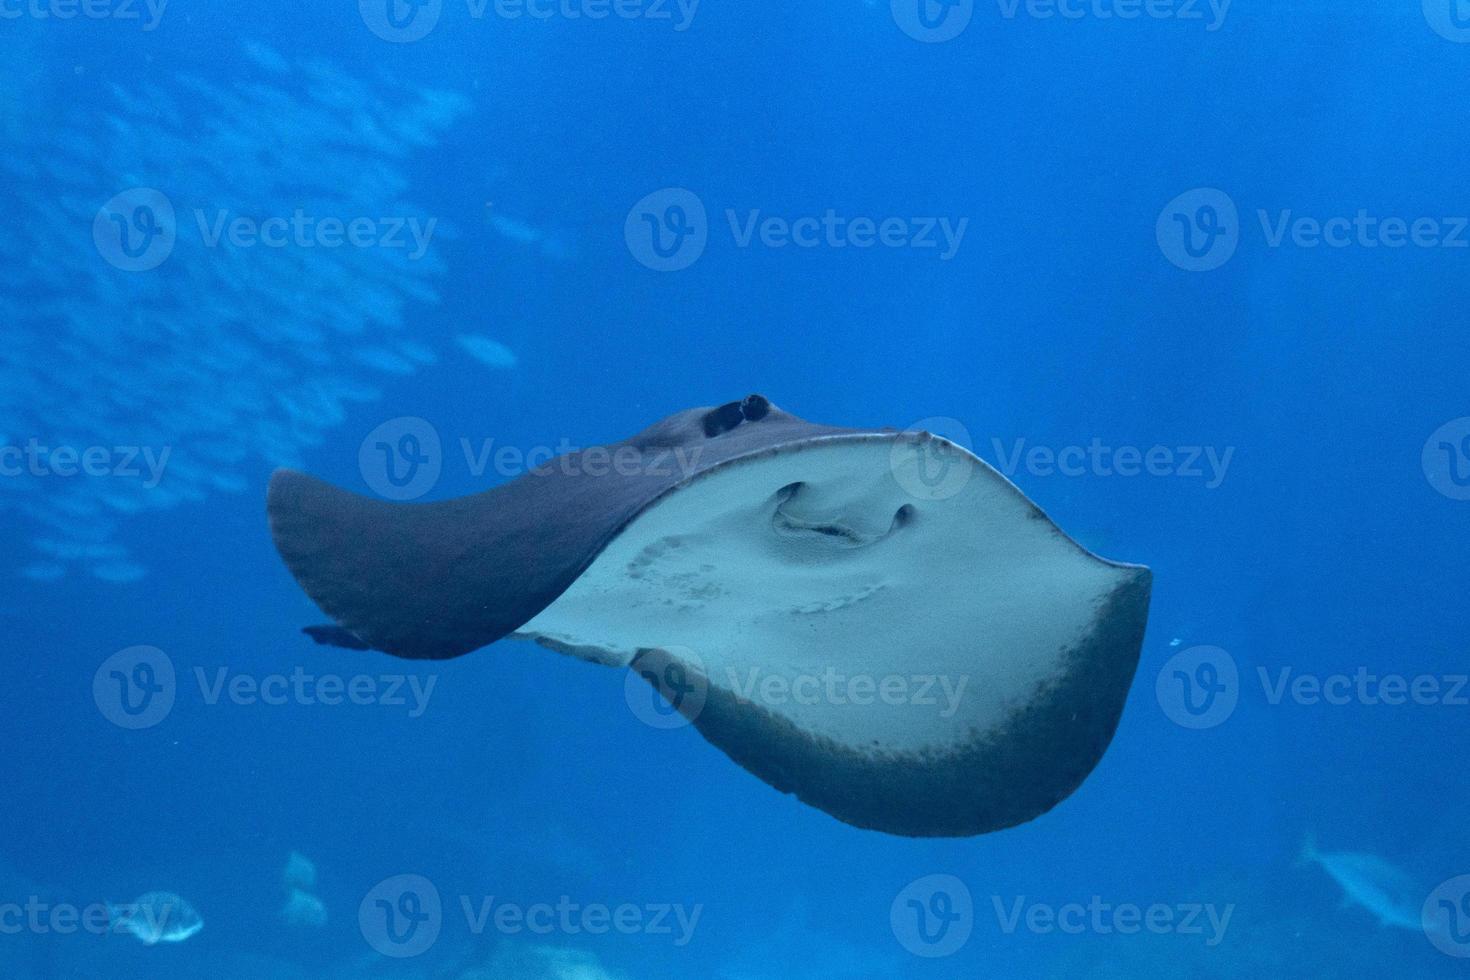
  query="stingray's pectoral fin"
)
[
  {"x": 423, "y": 581},
  {"x": 332, "y": 635}
]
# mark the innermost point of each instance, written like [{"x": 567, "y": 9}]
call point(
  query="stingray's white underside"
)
[{"x": 887, "y": 632}]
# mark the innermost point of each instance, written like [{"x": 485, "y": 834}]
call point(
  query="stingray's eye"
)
[
  {"x": 755, "y": 408},
  {"x": 723, "y": 419}
]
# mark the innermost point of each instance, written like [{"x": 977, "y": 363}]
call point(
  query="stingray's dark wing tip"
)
[{"x": 332, "y": 635}]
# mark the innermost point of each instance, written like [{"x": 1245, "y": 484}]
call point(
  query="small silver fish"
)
[
  {"x": 157, "y": 917},
  {"x": 1389, "y": 893}
]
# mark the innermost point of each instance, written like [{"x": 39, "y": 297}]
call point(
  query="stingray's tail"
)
[{"x": 1308, "y": 853}]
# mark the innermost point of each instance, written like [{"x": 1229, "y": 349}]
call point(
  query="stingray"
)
[{"x": 874, "y": 620}]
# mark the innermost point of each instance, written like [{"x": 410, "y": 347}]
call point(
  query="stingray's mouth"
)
[{"x": 840, "y": 530}]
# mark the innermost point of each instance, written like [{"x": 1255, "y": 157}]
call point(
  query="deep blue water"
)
[{"x": 1326, "y": 378}]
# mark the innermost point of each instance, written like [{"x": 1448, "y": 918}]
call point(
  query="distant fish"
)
[
  {"x": 1389, "y": 893},
  {"x": 487, "y": 351},
  {"x": 304, "y": 910},
  {"x": 300, "y": 872},
  {"x": 550, "y": 244},
  {"x": 157, "y": 917}
]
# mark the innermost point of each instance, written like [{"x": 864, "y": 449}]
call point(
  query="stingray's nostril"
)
[
  {"x": 904, "y": 515},
  {"x": 788, "y": 491}
]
